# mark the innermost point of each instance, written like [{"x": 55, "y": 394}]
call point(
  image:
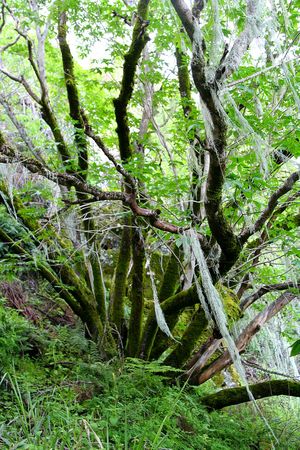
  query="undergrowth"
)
[{"x": 55, "y": 393}]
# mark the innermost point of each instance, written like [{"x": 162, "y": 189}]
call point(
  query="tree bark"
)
[
  {"x": 245, "y": 337},
  {"x": 235, "y": 396}
]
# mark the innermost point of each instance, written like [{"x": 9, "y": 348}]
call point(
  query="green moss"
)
[
  {"x": 172, "y": 306},
  {"x": 190, "y": 337},
  {"x": 218, "y": 379},
  {"x": 230, "y": 302},
  {"x": 120, "y": 276},
  {"x": 137, "y": 293},
  {"x": 171, "y": 276}
]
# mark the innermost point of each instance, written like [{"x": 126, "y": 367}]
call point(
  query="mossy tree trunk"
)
[
  {"x": 137, "y": 293},
  {"x": 235, "y": 396}
]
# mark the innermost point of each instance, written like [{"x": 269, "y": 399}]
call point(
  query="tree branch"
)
[
  {"x": 9, "y": 156},
  {"x": 73, "y": 96},
  {"x": 245, "y": 337},
  {"x": 267, "y": 212},
  {"x": 24, "y": 83},
  {"x": 137, "y": 292},
  {"x": 170, "y": 306},
  {"x": 191, "y": 335},
  {"x": 216, "y": 130},
  {"x": 98, "y": 141},
  {"x": 131, "y": 58},
  {"x": 248, "y": 301},
  {"x": 237, "y": 395},
  {"x": 241, "y": 45},
  {"x": 46, "y": 108},
  {"x": 185, "y": 15}
]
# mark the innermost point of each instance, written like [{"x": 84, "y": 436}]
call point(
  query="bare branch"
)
[
  {"x": 98, "y": 141},
  {"x": 202, "y": 356},
  {"x": 8, "y": 156},
  {"x": 24, "y": 83},
  {"x": 19, "y": 126},
  {"x": 39, "y": 70},
  {"x": 10, "y": 44},
  {"x": 2, "y": 17},
  {"x": 267, "y": 212},
  {"x": 248, "y": 301}
]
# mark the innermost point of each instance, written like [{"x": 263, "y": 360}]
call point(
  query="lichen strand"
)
[
  {"x": 99, "y": 290},
  {"x": 190, "y": 337},
  {"x": 216, "y": 131},
  {"x": 120, "y": 276},
  {"x": 162, "y": 341},
  {"x": 137, "y": 293},
  {"x": 167, "y": 289}
]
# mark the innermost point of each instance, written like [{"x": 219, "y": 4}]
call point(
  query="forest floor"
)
[{"x": 56, "y": 393}]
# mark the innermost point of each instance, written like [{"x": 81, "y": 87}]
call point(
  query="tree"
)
[{"x": 178, "y": 138}]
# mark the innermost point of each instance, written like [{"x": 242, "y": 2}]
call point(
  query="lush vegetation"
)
[
  {"x": 149, "y": 222},
  {"x": 57, "y": 393}
]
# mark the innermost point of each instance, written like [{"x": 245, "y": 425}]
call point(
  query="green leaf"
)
[{"x": 295, "y": 348}]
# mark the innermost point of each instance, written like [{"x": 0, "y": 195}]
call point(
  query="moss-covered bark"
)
[
  {"x": 171, "y": 276},
  {"x": 235, "y": 396},
  {"x": 98, "y": 285},
  {"x": 171, "y": 306},
  {"x": 191, "y": 335},
  {"x": 49, "y": 117},
  {"x": 190, "y": 112},
  {"x": 137, "y": 293},
  {"x": 46, "y": 271},
  {"x": 161, "y": 341},
  {"x": 120, "y": 277},
  {"x": 168, "y": 288},
  {"x": 71, "y": 287},
  {"x": 131, "y": 58},
  {"x": 73, "y": 97}
]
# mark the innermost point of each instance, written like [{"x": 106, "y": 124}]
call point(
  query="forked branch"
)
[{"x": 245, "y": 337}]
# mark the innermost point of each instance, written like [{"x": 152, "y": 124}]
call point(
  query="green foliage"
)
[
  {"x": 67, "y": 397},
  {"x": 295, "y": 348},
  {"x": 15, "y": 334},
  {"x": 80, "y": 406}
]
